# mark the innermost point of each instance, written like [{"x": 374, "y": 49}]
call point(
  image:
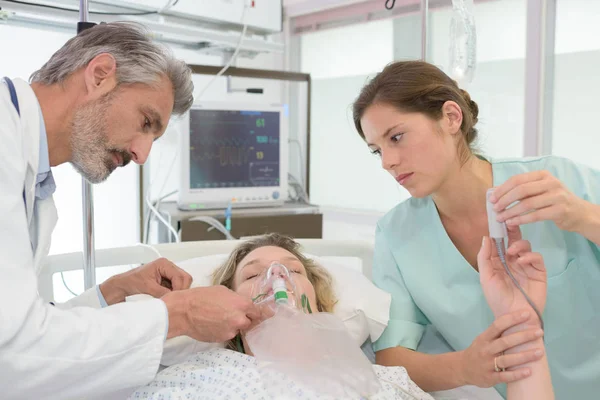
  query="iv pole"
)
[{"x": 89, "y": 258}]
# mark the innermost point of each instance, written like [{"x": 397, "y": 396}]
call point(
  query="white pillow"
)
[{"x": 362, "y": 306}]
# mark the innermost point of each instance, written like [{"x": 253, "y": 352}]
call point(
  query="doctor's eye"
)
[{"x": 147, "y": 124}]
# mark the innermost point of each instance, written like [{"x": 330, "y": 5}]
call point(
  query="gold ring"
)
[{"x": 496, "y": 365}]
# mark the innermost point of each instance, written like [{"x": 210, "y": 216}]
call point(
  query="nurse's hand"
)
[
  {"x": 156, "y": 278},
  {"x": 209, "y": 314},
  {"x": 540, "y": 197},
  {"x": 527, "y": 268},
  {"x": 476, "y": 364}
]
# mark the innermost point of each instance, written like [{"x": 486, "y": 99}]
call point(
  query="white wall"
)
[
  {"x": 344, "y": 174},
  {"x": 349, "y": 51}
]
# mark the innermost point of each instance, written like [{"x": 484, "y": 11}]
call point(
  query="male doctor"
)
[{"x": 98, "y": 103}]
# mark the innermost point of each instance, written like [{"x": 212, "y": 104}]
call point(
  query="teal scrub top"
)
[{"x": 431, "y": 282}]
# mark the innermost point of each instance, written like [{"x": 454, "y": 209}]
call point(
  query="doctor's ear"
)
[
  {"x": 452, "y": 117},
  {"x": 101, "y": 75}
]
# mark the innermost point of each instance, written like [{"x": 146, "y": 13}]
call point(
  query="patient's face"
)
[{"x": 257, "y": 262}]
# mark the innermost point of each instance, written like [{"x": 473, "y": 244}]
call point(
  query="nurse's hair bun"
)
[
  {"x": 471, "y": 135},
  {"x": 474, "y": 108}
]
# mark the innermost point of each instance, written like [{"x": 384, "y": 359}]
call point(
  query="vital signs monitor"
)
[{"x": 233, "y": 154}]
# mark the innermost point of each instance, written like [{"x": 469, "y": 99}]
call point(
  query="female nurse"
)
[{"x": 422, "y": 126}]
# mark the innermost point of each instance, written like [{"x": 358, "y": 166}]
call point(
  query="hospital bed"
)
[{"x": 357, "y": 255}]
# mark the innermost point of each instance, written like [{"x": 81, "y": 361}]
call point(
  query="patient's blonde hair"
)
[{"x": 317, "y": 275}]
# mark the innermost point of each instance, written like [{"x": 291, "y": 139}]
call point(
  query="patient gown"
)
[{"x": 226, "y": 374}]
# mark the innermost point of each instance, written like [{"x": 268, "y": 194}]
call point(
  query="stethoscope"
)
[{"x": 389, "y": 4}]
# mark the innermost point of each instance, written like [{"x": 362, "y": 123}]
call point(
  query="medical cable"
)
[
  {"x": 499, "y": 233},
  {"x": 389, "y": 4},
  {"x": 233, "y": 57},
  {"x": 298, "y": 185},
  {"x": 151, "y": 248},
  {"x": 500, "y": 247},
  {"x": 170, "y": 4},
  {"x": 216, "y": 224},
  {"x": 300, "y": 157},
  {"x": 157, "y": 213},
  {"x": 301, "y": 194},
  {"x": 67, "y": 286},
  {"x": 149, "y": 214}
]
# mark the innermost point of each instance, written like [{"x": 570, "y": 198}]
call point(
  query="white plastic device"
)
[{"x": 497, "y": 229}]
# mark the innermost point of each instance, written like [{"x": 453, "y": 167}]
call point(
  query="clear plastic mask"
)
[
  {"x": 315, "y": 351},
  {"x": 276, "y": 286}
]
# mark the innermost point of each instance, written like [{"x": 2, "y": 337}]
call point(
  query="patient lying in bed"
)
[{"x": 233, "y": 372}]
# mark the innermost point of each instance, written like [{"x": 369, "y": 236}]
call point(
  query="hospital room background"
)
[{"x": 341, "y": 44}]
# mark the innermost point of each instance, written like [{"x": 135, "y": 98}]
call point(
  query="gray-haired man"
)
[{"x": 98, "y": 103}]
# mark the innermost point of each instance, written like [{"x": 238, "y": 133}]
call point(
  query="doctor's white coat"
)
[{"x": 74, "y": 350}]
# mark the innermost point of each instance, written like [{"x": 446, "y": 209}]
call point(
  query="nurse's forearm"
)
[
  {"x": 432, "y": 372},
  {"x": 589, "y": 226}
]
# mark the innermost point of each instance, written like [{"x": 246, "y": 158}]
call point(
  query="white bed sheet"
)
[{"x": 226, "y": 374}]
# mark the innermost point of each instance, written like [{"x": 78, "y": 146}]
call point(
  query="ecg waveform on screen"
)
[
  {"x": 227, "y": 155},
  {"x": 208, "y": 141}
]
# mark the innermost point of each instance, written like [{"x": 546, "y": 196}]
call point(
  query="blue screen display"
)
[{"x": 234, "y": 149}]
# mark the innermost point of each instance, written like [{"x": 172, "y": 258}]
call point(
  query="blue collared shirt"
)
[{"x": 44, "y": 183}]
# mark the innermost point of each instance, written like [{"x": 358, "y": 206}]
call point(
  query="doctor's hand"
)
[
  {"x": 527, "y": 267},
  {"x": 209, "y": 314},
  {"x": 540, "y": 197},
  {"x": 156, "y": 278}
]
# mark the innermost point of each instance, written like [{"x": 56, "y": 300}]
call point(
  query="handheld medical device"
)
[
  {"x": 499, "y": 234},
  {"x": 233, "y": 154}
]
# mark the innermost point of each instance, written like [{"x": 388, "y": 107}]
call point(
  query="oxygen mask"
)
[
  {"x": 275, "y": 287},
  {"x": 313, "y": 350}
]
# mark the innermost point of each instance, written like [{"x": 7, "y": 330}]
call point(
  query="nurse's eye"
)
[
  {"x": 375, "y": 152},
  {"x": 397, "y": 137}
]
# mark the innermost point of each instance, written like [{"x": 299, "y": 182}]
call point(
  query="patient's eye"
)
[{"x": 251, "y": 277}]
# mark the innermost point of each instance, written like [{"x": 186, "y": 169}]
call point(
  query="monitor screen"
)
[{"x": 234, "y": 149}]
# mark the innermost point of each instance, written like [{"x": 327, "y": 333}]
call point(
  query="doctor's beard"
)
[{"x": 92, "y": 153}]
